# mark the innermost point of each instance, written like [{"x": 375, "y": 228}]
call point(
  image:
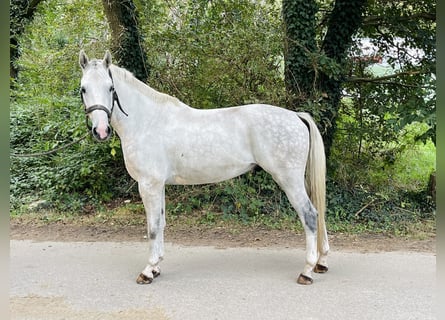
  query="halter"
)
[{"x": 94, "y": 107}]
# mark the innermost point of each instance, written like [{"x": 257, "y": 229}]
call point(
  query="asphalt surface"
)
[{"x": 96, "y": 280}]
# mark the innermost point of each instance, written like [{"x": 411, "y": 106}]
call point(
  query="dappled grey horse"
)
[{"x": 164, "y": 141}]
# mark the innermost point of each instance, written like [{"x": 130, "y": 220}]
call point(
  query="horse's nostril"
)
[{"x": 102, "y": 135}]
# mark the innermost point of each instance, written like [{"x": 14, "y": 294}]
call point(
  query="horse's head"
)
[{"x": 98, "y": 95}]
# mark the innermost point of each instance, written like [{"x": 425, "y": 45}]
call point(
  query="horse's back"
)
[{"x": 270, "y": 133}]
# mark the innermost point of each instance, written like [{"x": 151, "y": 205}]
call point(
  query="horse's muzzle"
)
[{"x": 102, "y": 135}]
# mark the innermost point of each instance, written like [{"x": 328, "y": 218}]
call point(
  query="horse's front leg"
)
[{"x": 153, "y": 197}]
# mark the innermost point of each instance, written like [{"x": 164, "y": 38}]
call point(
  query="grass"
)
[{"x": 413, "y": 165}]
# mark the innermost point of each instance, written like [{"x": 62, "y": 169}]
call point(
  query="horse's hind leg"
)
[
  {"x": 308, "y": 216},
  {"x": 292, "y": 184},
  {"x": 153, "y": 197}
]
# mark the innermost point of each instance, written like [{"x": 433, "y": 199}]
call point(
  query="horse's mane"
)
[{"x": 143, "y": 88}]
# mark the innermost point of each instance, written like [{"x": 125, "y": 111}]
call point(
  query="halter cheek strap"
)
[{"x": 115, "y": 97}]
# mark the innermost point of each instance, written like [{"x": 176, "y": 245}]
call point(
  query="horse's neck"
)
[{"x": 142, "y": 107}]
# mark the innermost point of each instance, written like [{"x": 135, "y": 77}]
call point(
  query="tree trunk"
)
[
  {"x": 300, "y": 31},
  {"x": 343, "y": 23},
  {"x": 432, "y": 186},
  {"x": 127, "y": 41},
  {"x": 304, "y": 82}
]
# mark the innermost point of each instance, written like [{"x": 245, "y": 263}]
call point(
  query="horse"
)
[{"x": 165, "y": 142}]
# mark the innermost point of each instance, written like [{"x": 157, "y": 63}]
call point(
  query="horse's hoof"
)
[
  {"x": 143, "y": 279},
  {"x": 319, "y": 268},
  {"x": 302, "y": 279}
]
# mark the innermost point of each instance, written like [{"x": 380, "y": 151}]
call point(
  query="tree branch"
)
[
  {"x": 383, "y": 78},
  {"x": 378, "y": 20}
]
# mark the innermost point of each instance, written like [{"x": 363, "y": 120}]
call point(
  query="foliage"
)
[
  {"x": 403, "y": 35},
  {"x": 249, "y": 197},
  {"x": 46, "y": 113},
  {"x": 213, "y": 54},
  {"x": 318, "y": 61},
  {"x": 20, "y": 12},
  {"x": 390, "y": 104},
  {"x": 404, "y": 164}
]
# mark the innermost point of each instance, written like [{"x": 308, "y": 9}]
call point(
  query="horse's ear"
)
[
  {"x": 107, "y": 59},
  {"x": 83, "y": 59}
]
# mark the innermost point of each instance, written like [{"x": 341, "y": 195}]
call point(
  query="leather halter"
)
[{"x": 94, "y": 107}]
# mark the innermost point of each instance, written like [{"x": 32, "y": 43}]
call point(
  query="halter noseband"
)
[{"x": 94, "y": 107}]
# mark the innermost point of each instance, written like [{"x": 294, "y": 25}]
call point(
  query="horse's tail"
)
[{"x": 316, "y": 173}]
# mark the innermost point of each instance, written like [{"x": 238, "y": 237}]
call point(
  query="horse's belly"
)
[{"x": 204, "y": 172}]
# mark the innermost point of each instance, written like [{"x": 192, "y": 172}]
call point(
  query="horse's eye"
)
[{"x": 111, "y": 89}]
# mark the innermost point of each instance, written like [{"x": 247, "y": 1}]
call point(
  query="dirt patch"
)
[
  {"x": 49, "y": 308},
  {"x": 219, "y": 235}
]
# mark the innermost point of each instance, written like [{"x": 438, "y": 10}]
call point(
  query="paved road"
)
[{"x": 86, "y": 280}]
